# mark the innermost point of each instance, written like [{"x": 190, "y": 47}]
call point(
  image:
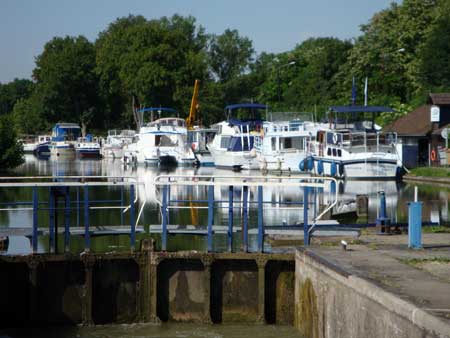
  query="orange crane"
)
[{"x": 190, "y": 120}]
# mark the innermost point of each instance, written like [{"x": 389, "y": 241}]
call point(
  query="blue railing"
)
[{"x": 165, "y": 182}]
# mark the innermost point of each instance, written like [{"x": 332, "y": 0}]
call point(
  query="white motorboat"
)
[
  {"x": 354, "y": 149},
  {"x": 233, "y": 145},
  {"x": 161, "y": 142},
  {"x": 87, "y": 147},
  {"x": 115, "y": 142},
  {"x": 282, "y": 144},
  {"x": 64, "y": 136}
]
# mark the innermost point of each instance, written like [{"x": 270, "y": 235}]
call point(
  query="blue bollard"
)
[{"x": 415, "y": 225}]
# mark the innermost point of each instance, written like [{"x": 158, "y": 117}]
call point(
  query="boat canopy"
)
[
  {"x": 361, "y": 109},
  {"x": 158, "y": 109},
  {"x": 246, "y": 106},
  {"x": 251, "y": 123}
]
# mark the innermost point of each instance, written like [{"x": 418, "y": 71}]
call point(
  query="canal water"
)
[
  {"x": 165, "y": 330},
  {"x": 398, "y": 194}
]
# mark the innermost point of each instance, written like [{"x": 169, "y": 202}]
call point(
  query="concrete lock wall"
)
[
  {"x": 40, "y": 290},
  {"x": 331, "y": 303}
]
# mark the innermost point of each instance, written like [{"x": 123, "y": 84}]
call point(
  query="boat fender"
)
[
  {"x": 310, "y": 163},
  {"x": 333, "y": 169},
  {"x": 333, "y": 187},
  {"x": 320, "y": 167},
  {"x": 301, "y": 165}
]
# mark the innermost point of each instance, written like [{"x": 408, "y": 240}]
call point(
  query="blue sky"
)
[{"x": 273, "y": 26}]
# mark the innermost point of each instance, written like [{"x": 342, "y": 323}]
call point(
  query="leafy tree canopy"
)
[
  {"x": 66, "y": 81},
  {"x": 11, "y": 150},
  {"x": 13, "y": 91}
]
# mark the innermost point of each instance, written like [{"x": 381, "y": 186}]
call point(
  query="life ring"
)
[{"x": 433, "y": 155}]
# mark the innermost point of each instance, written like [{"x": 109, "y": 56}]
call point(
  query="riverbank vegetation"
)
[
  {"x": 403, "y": 50},
  {"x": 430, "y": 172}
]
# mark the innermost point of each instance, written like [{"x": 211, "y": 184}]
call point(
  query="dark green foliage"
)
[
  {"x": 11, "y": 151},
  {"x": 13, "y": 91},
  {"x": 435, "y": 52},
  {"x": 66, "y": 83},
  {"x": 404, "y": 50},
  {"x": 156, "y": 61}
]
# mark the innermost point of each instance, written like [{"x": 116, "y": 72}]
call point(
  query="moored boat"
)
[
  {"x": 354, "y": 148},
  {"x": 64, "y": 136},
  {"x": 115, "y": 142},
  {"x": 87, "y": 147},
  {"x": 233, "y": 144}
]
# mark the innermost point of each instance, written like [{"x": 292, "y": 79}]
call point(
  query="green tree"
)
[
  {"x": 11, "y": 150},
  {"x": 155, "y": 61},
  {"x": 386, "y": 53},
  {"x": 66, "y": 82},
  {"x": 229, "y": 55},
  {"x": 27, "y": 116},
  {"x": 13, "y": 91},
  {"x": 434, "y": 54}
]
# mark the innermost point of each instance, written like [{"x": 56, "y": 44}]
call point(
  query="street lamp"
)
[{"x": 278, "y": 78}]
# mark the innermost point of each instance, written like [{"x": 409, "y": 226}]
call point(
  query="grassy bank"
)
[{"x": 430, "y": 172}]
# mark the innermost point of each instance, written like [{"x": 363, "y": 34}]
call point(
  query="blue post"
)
[
  {"x": 67, "y": 222},
  {"x": 52, "y": 211},
  {"x": 230, "y": 218},
  {"x": 260, "y": 220},
  {"x": 121, "y": 204},
  {"x": 164, "y": 219},
  {"x": 415, "y": 225},
  {"x": 87, "y": 240},
  {"x": 132, "y": 219},
  {"x": 34, "y": 240},
  {"x": 245, "y": 219},
  {"x": 210, "y": 216},
  {"x": 305, "y": 216}
]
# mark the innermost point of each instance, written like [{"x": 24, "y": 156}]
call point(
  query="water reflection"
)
[{"x": 435, "y": 202}]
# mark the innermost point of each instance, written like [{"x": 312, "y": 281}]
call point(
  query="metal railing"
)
[
  {"x": 59, "y": 186},
  {"x": 165, "y": 182}
]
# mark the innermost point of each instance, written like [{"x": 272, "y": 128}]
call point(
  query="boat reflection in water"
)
[{"x": 434, "y": 199}]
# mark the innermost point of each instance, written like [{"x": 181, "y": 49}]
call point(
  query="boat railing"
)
[
  {"x": 251, "y": 190},
  {"x": 71, "y": 194}
]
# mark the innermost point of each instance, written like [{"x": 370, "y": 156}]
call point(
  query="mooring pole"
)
[
  {"x": 305, "y": 216},
  {"x": 87, "y": 240},
  {"x": 245, "y": 218},
  {"x": 210, "y": 216},
  {"x": 121, "y": 204},
  {"x": 230, "y": 218},
  {"x": 34, "y": 239},
  {"x": 51, "y": 203},
  {"x": 132, "y": 219},
  {"x": 164, "y": 219},
  {"x": 260, "y": 220},
  {"x": 67, "y": 221}
]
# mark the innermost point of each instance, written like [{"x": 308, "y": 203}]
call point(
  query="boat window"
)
[
  {"x": 236, "y": 145},
  {"x": 339, "y": 152},
  {"x": 329, "y": 152},
  {"x": 166, "y": 141},
  {"x": 274, "y": 141},
  {"x": 225, "y": 141},
  {"x": 334, "y": 151}
]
